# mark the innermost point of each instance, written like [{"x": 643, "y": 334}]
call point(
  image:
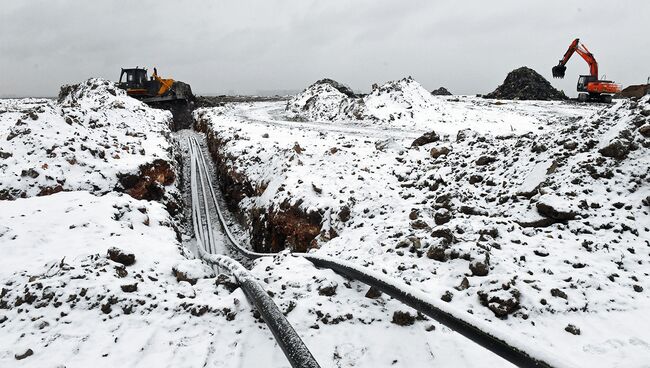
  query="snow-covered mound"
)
[
  {"x": 91, "y": 138},
  {"x": 543, "y": 235},
  {"x": 325, "y": 100},
  {"x": 404, "y": 99}
]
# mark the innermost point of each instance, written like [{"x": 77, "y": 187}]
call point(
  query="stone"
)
[
  {"x": 25, "y": 354},
  {"x": 559, "y": 293},
  {"x": 425, "y": 138},
  {"x": 438, "y": 151},
  {"x": 447, "y": 296},
  {"x": 556, "y": 208},
  {"x": 484, "y": 160},
  {"x": 617, "y": 149},
  {"x": 373, "y": 293},
  {"x": 403, "y": 318},
  {"x": 117, "y": 255},
  {"x": 572, "y": 329}
]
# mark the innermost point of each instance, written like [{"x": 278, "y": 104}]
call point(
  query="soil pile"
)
[
  {"x": 442, "y": 91},
  {"x": 638, "y": 90},
  {"x": 526, "y": 84},
  {"x": 326, "y": 100}
]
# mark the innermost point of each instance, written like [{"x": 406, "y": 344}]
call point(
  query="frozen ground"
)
[
  {"x": 533, "y": 220},
  {"x": 530, "y": 218}
]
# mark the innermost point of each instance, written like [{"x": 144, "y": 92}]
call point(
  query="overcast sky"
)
[{"x": 249, "y": 46}]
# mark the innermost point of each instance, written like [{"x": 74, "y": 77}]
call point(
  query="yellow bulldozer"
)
[{"x": 160, "y": 93}]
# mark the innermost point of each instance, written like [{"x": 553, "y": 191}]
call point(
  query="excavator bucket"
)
[{"x": 558, "y": 71}]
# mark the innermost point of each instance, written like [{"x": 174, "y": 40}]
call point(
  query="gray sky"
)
[{"x": 246, "y": 46}]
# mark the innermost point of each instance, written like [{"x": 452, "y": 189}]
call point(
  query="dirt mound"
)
[
  {"x": 92, "y": 89},
  {"x": 442, "y": 91},
  {"x": 325, "y": 100},
  {"x": 526, "y": 84},
  {"x": 638, "y": 90},
  {"x": 339, "y": 86}
]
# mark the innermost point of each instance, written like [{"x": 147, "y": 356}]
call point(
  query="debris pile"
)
[
  {"x": 638, "y": 90},
  {"x": 526, "y": 84},
  {"x": 442, "y": 91},
  {"x": 326, "y": 99}
]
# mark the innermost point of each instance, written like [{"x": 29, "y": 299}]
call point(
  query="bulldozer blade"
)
[{"x": 558, "y": 71}]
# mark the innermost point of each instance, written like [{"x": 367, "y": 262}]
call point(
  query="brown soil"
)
[{"x": 149, "y": 182}]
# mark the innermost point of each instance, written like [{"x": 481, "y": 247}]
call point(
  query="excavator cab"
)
[{"x": 583, "y": 81}]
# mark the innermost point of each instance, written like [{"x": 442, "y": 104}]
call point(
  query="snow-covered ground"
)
[
  {"x": 526, "y": 218},
  {"x": 529, "y": 218}
]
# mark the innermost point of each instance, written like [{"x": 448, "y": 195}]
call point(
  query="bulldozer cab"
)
[{"x": 133, "y": 78}]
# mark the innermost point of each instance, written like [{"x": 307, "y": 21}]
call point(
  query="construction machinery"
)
[
  {"x": 160, "y": 93},
  {"x": 590, "y": 87}
]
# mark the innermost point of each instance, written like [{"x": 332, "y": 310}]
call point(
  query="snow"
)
[
  {"x": 82, "y": 143},
  {"x": 404, "y": 104},
  {"x": 597, "y": 260}
]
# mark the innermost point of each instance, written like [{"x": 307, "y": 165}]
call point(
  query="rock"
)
[
  {"x": 500, "y": 302},
  {"x": 442, "y": 91},
  {"x": 117, "y": 255},
  {"x": 185, "y": 290},
  {"x": 31, "y": 173},
  {"x": 437, "y": 253},
  {"x": 192, "y": 270},
  {"x": 464, "y": 285},
  {"x": 617, "y": 149},
  {"x": 480, "y": 268},
  {"x": 556, "y": 208},
  {"x": 444, "y": 233},
  {"x": 637, "y": 288},
  {"x": 559, "y": 293},
  {"x": 414, "y": 215},
  {"x": 484, "y": 160},
  {"x": 327, "y": 290},
  {"x": 373, "y": 293},
  {"x": 572, "y": 329},
  {"x": 227, "y": 282},
  {"x": 27, "y": 353},
  {"x": 420, "y": 225},
  {"x": 403, "y": 318},
  {"x": 526, "y": 84},
  {"x": 425, "y": 138},
  {"x": 644, "y": 130},
  {"x": 447, "y": 296},
  {"x": 473, "y": 179},
  {"x": 442, "y": 216},
  {"x": 5, "y": 155},
  {"x": 129, "y": 288},
  {"x": 344, "y": 214},
  {"x": 438, "y": 151}
]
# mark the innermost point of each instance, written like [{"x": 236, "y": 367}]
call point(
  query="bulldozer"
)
[
  {"x": 160, "y": 93},
  {"x": 590, "y": 87}
]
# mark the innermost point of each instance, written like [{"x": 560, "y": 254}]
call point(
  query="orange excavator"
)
[{"x": 590, "y": 87}]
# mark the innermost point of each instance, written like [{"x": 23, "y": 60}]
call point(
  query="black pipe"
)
[{"x": 484, "y": 339}]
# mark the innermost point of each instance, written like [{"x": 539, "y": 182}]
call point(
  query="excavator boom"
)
[{"x": 576, "y": 47}]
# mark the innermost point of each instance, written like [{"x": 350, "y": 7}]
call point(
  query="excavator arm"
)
[{"x": 577, "y": 47}]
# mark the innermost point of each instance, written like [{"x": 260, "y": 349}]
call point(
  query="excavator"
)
[
  {"x": 590, "y": 87},
  {"x": 161, "y": 93}
]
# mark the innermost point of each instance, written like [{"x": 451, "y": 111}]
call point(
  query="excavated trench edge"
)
[{"x": 403, "y": 293}]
